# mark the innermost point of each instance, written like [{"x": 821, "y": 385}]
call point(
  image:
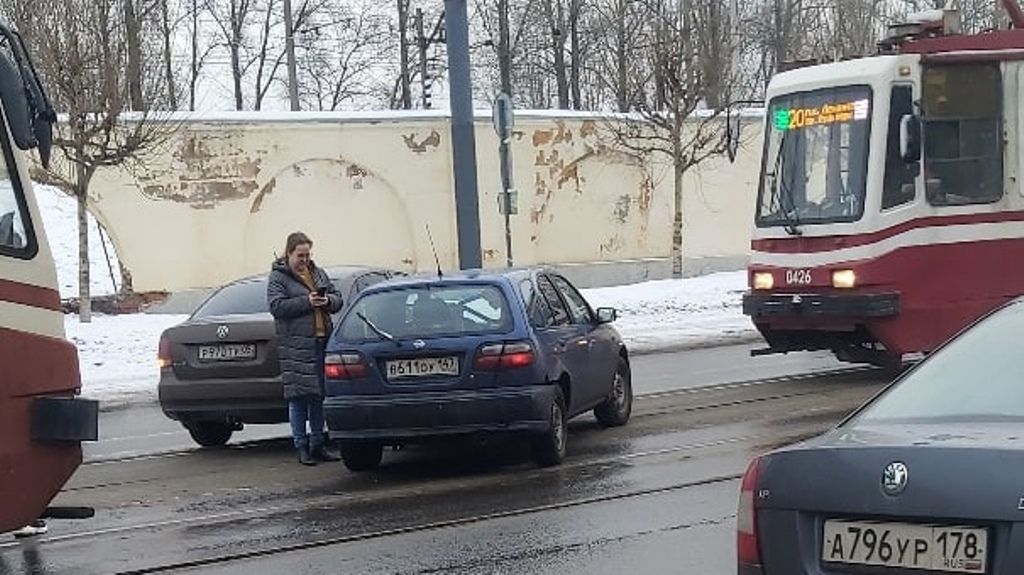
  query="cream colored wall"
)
[{"x": 216, "y": 201}]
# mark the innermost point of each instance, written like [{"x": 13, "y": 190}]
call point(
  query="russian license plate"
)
[
  {"x": 422, "y": 367},
  {"x": 227, "y": 352},
  {"x": 930, "y": 547}
]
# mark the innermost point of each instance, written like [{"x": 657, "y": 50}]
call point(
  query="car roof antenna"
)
[{"x": 434, "y": 249}]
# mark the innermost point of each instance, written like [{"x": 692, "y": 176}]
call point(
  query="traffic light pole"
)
[{"x": 467, "y": 201}]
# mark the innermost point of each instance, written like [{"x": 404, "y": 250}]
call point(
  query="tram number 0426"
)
[{"x": 798, "y": 277}]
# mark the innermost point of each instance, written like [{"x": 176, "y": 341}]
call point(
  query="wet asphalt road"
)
[{"x": 656, "y": 496}]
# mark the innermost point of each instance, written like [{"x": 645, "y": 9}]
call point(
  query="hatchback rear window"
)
[
  {"x": 238, "y": 298},
  {"x": 427, "y": 311}
]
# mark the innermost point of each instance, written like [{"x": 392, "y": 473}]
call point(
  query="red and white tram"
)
[{"x": 890, "y": 209}]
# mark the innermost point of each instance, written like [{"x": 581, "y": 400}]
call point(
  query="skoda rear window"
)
[
  {"x": 428, "y": 311},
  {"x": 236, "y": 299},
  {"x": 975, "y": 378}
]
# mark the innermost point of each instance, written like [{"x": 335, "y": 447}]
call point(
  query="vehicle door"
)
[
  {"x": 567, "y": 341},
  {"x": 600, "y": 358}
]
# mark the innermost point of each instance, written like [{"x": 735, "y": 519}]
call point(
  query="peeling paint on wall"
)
[
  {"x": 612, "y": 245},
  {"x": 207, "y": 168},
  {"x": 622, "y": 206},
  {"x": 432, "y": 141}
]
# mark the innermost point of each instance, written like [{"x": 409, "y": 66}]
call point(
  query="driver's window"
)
[
  {"x": 898, "y": 187},
  {"x": 13, "y": 217}
]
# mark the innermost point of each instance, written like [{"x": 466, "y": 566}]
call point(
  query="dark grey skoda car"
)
[
  {"x": 927, "y": 477},
  {"x": 219, "y": 369}
]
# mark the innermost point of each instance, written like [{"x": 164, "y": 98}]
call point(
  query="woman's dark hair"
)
[{"x": 296, "y": 239}]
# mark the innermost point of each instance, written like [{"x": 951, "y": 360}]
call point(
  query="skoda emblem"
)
[
  {"x": 222, "y": 331},
  {"x": 894, "y": 478},
  {"x": 419, "y": 344}
]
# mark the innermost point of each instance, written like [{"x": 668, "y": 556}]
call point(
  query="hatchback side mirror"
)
[
  {"x": 607, "y": 314},
  {"x": 910, "y": 138}
]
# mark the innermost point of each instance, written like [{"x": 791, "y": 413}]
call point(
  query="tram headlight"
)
[
  {"x": 763, "y": 280},
  {"x": 844, "y": 279}
]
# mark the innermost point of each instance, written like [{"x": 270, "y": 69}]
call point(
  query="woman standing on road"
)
[{"x": 302, "y": 299}]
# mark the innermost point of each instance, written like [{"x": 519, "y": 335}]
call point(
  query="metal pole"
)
[
  {"x": 505, "y": 153},
  {"x": 504, "y": 48},
  {"x": 289, "y": 47},
  {"x": 467, "y": 202}
]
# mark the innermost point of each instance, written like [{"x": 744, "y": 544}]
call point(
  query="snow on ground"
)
[
  {"x": 60, "y": 218},
  {"x": 669, "y": 314},
  {"x": 117, "y": 354}
]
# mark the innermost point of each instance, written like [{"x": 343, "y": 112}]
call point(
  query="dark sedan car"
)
[
  {"x": 476, "y": 352},
  {"x": 219, "y": 369},
  {"x": 927, "y": 477}
]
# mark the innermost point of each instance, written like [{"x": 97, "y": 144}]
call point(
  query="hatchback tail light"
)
[
  {"x": 163, "y": 355},
  {"x": 747, "y": 549},
  {"x": 344, "y": 366},
  {"x": 502, "y": 356}
]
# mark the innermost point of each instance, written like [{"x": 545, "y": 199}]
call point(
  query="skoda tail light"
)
[{"x": 748, "y": 550}]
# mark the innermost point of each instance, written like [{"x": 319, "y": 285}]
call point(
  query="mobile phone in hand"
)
[{"x": 321, "y": 292}]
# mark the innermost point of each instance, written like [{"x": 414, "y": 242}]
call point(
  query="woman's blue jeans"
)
[{"x": 309, "y": 408}]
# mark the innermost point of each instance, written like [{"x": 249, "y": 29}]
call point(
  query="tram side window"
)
[
  {"x": 898, "y": 187},
  {"x": 13, "y": 238},
  {"x": 962, "y": 135}
]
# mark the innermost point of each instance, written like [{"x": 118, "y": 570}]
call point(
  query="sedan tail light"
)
[
  {"x": 344, "y": 366},
  {"x": 747, "y": 549},
  {"x": 502, "y": 356},
  {"x": 163, "y": 355}
]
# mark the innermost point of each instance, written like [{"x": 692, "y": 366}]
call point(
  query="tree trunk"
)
[
  {"x": 576, "y": 62},
  {"x": 133, "y": 67},
  {"x": 403, "y": 56},
  {"x": 621, "y": 53},
  {"x": 165, "y": 23},
  {"x": 261, "y": 68},
  {"x": 84, "y": 293},
  {"x": 237, "y": 17},
  {"x": 678, "y": 171},
  {"x": 194, "y": 76},
  {"x": 556, "y": 17}
]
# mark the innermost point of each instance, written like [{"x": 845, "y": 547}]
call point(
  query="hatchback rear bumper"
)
[
  {"x": 430, "y": 414},
  {"x": 245, "y": 401}
]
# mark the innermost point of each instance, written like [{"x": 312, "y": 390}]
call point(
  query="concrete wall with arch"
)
[{"x": 216, "y": 200}]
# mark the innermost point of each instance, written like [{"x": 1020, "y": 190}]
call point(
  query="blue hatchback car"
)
[{"x": 476, "y": 352}]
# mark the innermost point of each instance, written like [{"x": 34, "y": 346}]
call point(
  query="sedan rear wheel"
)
[
  {"x": 210, "y": 433},
  {"x": 549, "y": 447},
  {"x": 361, "y": 455},
  {"x": 615, "y": 411}
]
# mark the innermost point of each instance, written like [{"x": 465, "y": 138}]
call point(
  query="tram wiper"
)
[{"x": 791, "y": 219}]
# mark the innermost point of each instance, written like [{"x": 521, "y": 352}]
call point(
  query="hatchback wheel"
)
[
  {"x": 615, "y": 411},
  {"x": 210, "y": 433},
  {"x": 361, "y": 455},
  {"x": 549, "y": 447}
]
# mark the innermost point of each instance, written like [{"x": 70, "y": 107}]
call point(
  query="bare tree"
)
[
  {"x": 340, "y": 47},
  {"x": 669, "y": 122},
  {"x": 80, "y": 52},
  {"x": 617, "y": 27},
  {"x": 232, "y": 20}
]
